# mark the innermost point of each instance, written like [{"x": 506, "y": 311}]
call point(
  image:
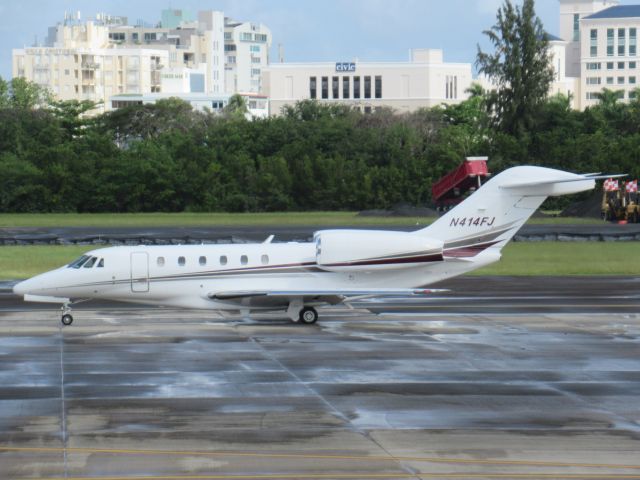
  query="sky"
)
[{"x": 308, "y": 30}]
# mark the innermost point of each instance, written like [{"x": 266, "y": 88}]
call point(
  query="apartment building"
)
[
  {"x": 609, "y": 52},
  {"x": 602, "y": 48},
  {"x": 105, "y": 56},
  {"x": 424, "y": 81},
  {"x": 246, "y": 48}
]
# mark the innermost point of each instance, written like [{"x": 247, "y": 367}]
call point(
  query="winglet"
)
[{"x": 269, "y": 239}]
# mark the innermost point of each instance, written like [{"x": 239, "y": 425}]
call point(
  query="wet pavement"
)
[{"x": 520, "y": 386}]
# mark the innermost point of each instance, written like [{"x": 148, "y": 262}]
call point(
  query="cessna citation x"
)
[{"x": 338, "y": 266}]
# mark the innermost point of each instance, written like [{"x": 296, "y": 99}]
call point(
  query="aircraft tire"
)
[
  {"x": 308, "y": 315},
  {"x": 67, "y": 319}
]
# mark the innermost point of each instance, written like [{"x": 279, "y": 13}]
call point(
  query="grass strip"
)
[{"x": 521, "y": 258}]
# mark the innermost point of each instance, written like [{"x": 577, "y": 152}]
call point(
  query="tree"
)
[
  {"x": 520, "y": 67},
  {"x": 237, "y": 107},
  {"x": 27, "y": 95}
]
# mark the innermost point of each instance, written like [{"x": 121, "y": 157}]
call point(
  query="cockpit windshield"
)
[
  {"x": 90, "y": 263},
  {"x": 87, "y": 261},
  {"x": 78, "y": 263}
]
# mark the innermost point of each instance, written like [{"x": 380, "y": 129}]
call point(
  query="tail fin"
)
[{"x": 495, "y": 212}]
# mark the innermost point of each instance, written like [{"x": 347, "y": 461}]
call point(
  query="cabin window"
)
[
  {"x": 101, "y": 263},
  {"x": 244, "y": 260},
  {"x": 90, "y": 263},
  {"x": 265, "y": 259},
  {"x": 181, "y": 261},
  {"x": 202, "y": 261},
  {"x": 160, "y": 261},
  {"x": 223, "y": 260}
]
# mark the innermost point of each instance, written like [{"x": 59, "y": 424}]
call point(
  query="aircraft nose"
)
[{"x": 21, "y": 288}]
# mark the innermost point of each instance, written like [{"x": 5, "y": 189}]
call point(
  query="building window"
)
[
  {"x": 593, "y": 95},
  {"x": 594, "y": 42},
  {"x": 335, "y": 87},
  {"x": 117, "y": 36},
  {"x": 576, "y": 27},
  {"x": 451, "y": 87},
  {"x": 609, "y": 80},
  {"x": 620, "y": 80},
  {"x": 610, "y": 65},
  {"x": 246, "y": 37},
  {"x": 632, "y": 95},
  {"x": 632, "y": 80},
  {"x": 149, "y": 36},
  {"x": 244, "y": 259},
  {"x": 228, "y": 36},
  {"x": 367, "y": 87},
  {"x": 223, "y": 260},
  {"x": 255, "y": 48},
  {"x": 181, "y": 261},
  {"x": 356, "y": 87},
  {"x": 160, "y": 261},
  {"x": 261, "y": 37},
  {"x": 632, "y": 42},
  {"x": 325, "y": 87},
  {"x": 313, "y": 87},
  {"x": 378, "y": 87},
  {"x": 594, "y": 80},
  {"x": 620, "y": 65},
  {"x": 632, "y": 65},
  {"x": 345, "y": 87},
  {"x": 264, "y": 259},
  {"x": 621, "y": 42},
  {"x": 230, "y": 47},
  {"x": 610, "y": 41},
  {"x": 594, "y": 66},
  {"x": 202, "y": 261}
]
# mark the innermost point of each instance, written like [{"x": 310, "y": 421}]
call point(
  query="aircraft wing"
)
[{"x": 343, "y": 294}]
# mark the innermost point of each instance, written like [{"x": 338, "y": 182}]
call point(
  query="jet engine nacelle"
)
[{"x": 362, "y": 250}]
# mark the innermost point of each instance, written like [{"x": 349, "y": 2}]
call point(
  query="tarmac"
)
[{"x": 502, "y": 378}]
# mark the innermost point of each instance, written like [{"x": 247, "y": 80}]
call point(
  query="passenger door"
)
[{"x": 139, "y": 272}]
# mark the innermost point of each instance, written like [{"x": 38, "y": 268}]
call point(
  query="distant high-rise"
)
[{"x": 98, "y": 58}]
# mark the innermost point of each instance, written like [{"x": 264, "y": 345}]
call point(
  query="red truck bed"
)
[{"x": 451, "y": 188}]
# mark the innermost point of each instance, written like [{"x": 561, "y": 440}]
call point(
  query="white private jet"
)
[{"x": 338, "y": 266}]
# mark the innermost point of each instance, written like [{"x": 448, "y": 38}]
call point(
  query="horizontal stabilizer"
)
[{"x": 577, "y": 178}]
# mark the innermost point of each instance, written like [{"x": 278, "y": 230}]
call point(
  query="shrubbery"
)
[{"x": 167, "y": 157}]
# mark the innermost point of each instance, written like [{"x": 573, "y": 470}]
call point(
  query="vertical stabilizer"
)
[{"x": 491, "y": 216}]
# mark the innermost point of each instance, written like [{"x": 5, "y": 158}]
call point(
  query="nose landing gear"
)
[{"x": 67, "y": 318}]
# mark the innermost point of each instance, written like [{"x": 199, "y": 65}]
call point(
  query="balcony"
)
[{"x": 90, "y": 66}]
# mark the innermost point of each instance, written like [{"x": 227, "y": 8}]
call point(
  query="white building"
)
[
  {"x": 246, "y": 46},
  {"x": 424, "y": 81},
  {"x": 571, "y": 14},
  {"x": 602, "y": 50},
  {"x": 609, "y": 52},
  {"x": 96, "y": 59},
  {"x": 257, "y": 105}
]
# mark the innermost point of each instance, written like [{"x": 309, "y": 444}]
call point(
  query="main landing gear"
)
[
  {"x": 298, "y": 312},
  {"x": 67, "y": 318},
  {"x": 308, "y": 315}
]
